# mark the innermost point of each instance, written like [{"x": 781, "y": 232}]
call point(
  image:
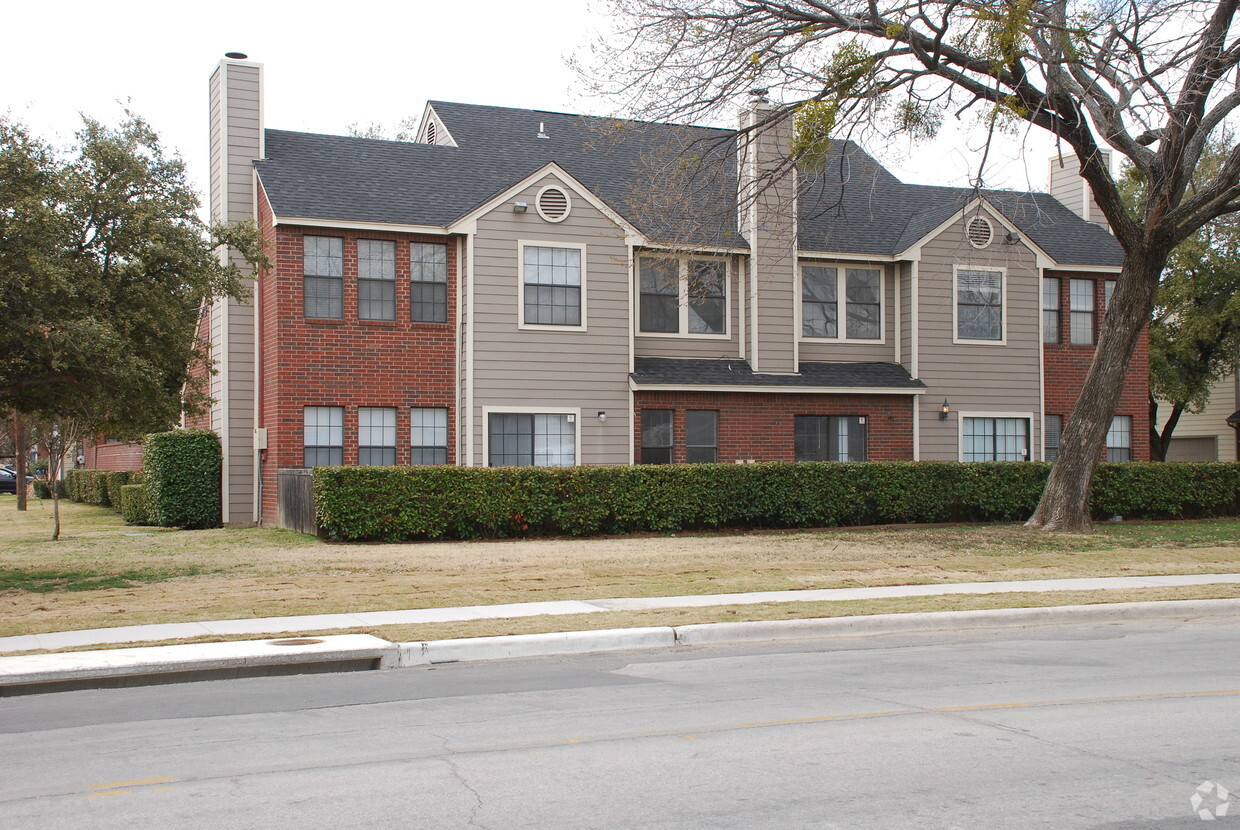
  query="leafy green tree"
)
[
  {"x": 105, "y": 268},
  {"x": 1154, "y": 81}
]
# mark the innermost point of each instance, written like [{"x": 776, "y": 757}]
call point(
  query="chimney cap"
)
[
  {"x": 237, "y": 56},
  {"x": 759, "y": 93}
]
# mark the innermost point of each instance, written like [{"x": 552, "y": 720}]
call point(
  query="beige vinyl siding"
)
[
  {"x": 217, "y": 147},
  {"x": 844, "y": 351},
  {"x": 1210, "y": 423},
  {"x": 241, "y": 403},
  {"x": 775, "y": 309},
  {"x": 654, "y": 345},
  {"x": 1066, "y": 185},
  {"x": 906, "y": 315},
  {"x": 981, "y": 378},
  {"x": 243, "y": 138},
  {"x": 549, "y": 368}
]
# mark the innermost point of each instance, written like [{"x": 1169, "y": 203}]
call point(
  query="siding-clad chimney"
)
[
  {"x": 236, "y": 129},
  {"x": 767, "y": 191},
  {"x": 1066, "y": 185}
]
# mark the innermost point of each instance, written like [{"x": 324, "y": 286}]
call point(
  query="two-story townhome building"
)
[{"x": 532, "y": 288}]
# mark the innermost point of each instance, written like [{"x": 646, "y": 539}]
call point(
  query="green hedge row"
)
[
  {"x": 88, "y": 486},
  {"x": 43, "y": 491},
  {"x": 182, "y": 478},
  {"x": 133, "y": 504},
  {"x": 399, "y": 503}
]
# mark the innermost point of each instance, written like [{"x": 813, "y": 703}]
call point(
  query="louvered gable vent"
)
[{"x": 553, "y": 204}]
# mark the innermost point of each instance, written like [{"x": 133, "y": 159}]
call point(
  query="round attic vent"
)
[
  {"x": 553, "y": 204},
  {"x": 979, "y": 231}
]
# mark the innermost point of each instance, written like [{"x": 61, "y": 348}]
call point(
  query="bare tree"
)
[
  {"x": 1153, "y": 79},
  {"x": 56, "y": 438}
]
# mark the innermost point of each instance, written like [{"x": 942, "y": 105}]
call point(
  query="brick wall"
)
[
  {"x": 759, "y": 426},
  {"x": 349, "y": 363},
  {"x": 112, "y": 455},
  {"x": 1066, "y": 365}
]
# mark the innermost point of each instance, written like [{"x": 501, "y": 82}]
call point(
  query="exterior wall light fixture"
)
[
  {"x": 520, "y": 207},
  {"x": 602, "y": 417},
  {"x": 945, "y": 411}
]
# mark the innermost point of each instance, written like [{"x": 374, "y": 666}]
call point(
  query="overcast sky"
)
[{"x": 329, "y": 65}]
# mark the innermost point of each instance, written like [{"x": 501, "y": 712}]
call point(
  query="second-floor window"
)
[
  {"x": 428, "y": 282},
  {"x": 376, "y": 280},
  {"x": 1081, "y": 312},
  {"x": 979, "y": 304},
  {"x": 682, "y": 296},
  {"x": 823, "y": 286},
  {"x": 552, "y": 286},
  {"x": 323, "y": 276},
  {"x": 1050, "y": 310}
]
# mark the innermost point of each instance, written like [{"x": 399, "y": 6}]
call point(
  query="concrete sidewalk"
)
[{"x": 367, "y": 619}]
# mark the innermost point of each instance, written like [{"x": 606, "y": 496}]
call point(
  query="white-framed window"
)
[
  {"x": 832, "y": 292},
  {"x": 656, "y": 436},
  {"x": 322, "y": 281},
  {"x": 830, "y": 438},
  {"x": 682, "y": 296},
  {"x": 376, "y": 279},
  {"x": 553, "y": 281},
  {"x": 1050, "y": 310},
  {"x": 992, "y": 438},
  {"x": 1119, "y": 439},
  {"x": 428, "y": 432},
  {"x": 1081, "y": 312},
  {"x": 701, "y": 436},
  {"x": 428, "y": 282},
  {"x": 979, "y": 307},
  {"x": 531, "y": 439},
  {"x": 322, "y": 436},
  {"x": 1108, "y": 288},
  {"x": 1052, "y": 428},
  {"x": 376, "y": 436}
]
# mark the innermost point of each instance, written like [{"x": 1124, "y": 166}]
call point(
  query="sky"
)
[{"x": 330, "y": 65}]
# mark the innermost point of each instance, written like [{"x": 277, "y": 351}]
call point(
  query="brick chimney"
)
[{"x": 767, "y": 206}]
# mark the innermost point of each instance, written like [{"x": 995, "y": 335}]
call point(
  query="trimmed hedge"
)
[
  {"x": 133, "y": 504},
  {"x": 113, "y": 481},
  {"x": 88, "y": 486},
  {"x": 182, "y": 478},
  {"x": 42, "y": 490},
  {"x": 399, "y": 503}
]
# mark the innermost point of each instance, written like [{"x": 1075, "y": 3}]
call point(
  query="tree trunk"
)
[
  {"x": 20, "y": 453},
  {"x": 55, "y": 512},
  {"x": 1065, "y": 501},
  {"x": 1156, "y": 451},
  {"x": 1163, "y": 444}
]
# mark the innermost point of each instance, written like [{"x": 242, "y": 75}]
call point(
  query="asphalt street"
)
[{"x": 1099, "y": 726}]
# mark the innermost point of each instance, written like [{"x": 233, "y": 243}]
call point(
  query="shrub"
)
[
  {"x": 397, "y": 503},
  {"x": 42, "y": 490},
  {"x": 87, "y": 486},
  {"x": 182, "y": 478},
  {"x": 133, "y": 504},
  {"x": 113, "y": 481}
]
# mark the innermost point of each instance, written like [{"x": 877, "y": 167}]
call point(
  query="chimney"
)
[
  {"x": 236, "y": 133},
  {"x": 1066, "y": 185},
  {"x": 767, "y": 214}
]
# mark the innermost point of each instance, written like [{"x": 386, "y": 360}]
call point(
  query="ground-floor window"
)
[
  {"x": 1052, "y": 426},
  {"x": 831, "y": 438},
  {"x": 656, "y": 436},
  {"x": 376, "y": 436},
  {"x": 322, "y": 435},
  {"x": 701, "y": 436},
  {"x": 428, "y": 428},
  {"x": 996, "y": 439},
  {"x": 1119, "y": 439},
  {"x": 532, "y": 440}
]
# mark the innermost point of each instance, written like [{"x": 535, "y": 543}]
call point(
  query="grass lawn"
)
[{"x": 103, "y": 573}]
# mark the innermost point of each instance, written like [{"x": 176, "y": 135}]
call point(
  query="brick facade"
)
[
  {"x": 759, "y": 426},
  {"x": 125, "y": 456},
  {"x": 1066, "y": 365},
  {"x": 349, "y": 362}
]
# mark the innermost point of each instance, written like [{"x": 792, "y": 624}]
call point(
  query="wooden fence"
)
[{"x": 296, "y": 502}]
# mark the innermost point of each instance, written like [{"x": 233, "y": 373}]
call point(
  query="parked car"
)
[{"x": 8, "y": 480}]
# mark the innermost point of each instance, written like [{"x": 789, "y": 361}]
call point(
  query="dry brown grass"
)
[{"x": 179, "y": 576}]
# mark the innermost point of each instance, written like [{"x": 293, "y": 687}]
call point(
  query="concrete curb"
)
[
  {"x": 89, "y": 669},
  {"x": 196, "y": 660}
]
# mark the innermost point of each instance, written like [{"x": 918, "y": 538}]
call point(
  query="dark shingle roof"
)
[
  {"x": 664, "y": 371},
  {"x": 852, "y": 205}
]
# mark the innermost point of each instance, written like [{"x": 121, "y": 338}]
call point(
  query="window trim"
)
[
  {"x": 447, "y": 283},
  {"x": 522, "y": 244},
  {"x": 1107, "y": 445},
  {"x": 962, "y": 414},
  {"x": 841, "y": 301},
  {"x": 1092, "y": 311},
  {"x": 1003, "y": 305},
  {"x": 487, "y": 411},
  {"x": 1057, "y": 311},
  {"x": 413, "y": 448},
  {"x": 394, "y": 446},
  {"x": 305, "y": 446},
  {"x": 381, "y": 280},
  {"x": 305, "y": 276},
  {"x": 682, "y": 295}
]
